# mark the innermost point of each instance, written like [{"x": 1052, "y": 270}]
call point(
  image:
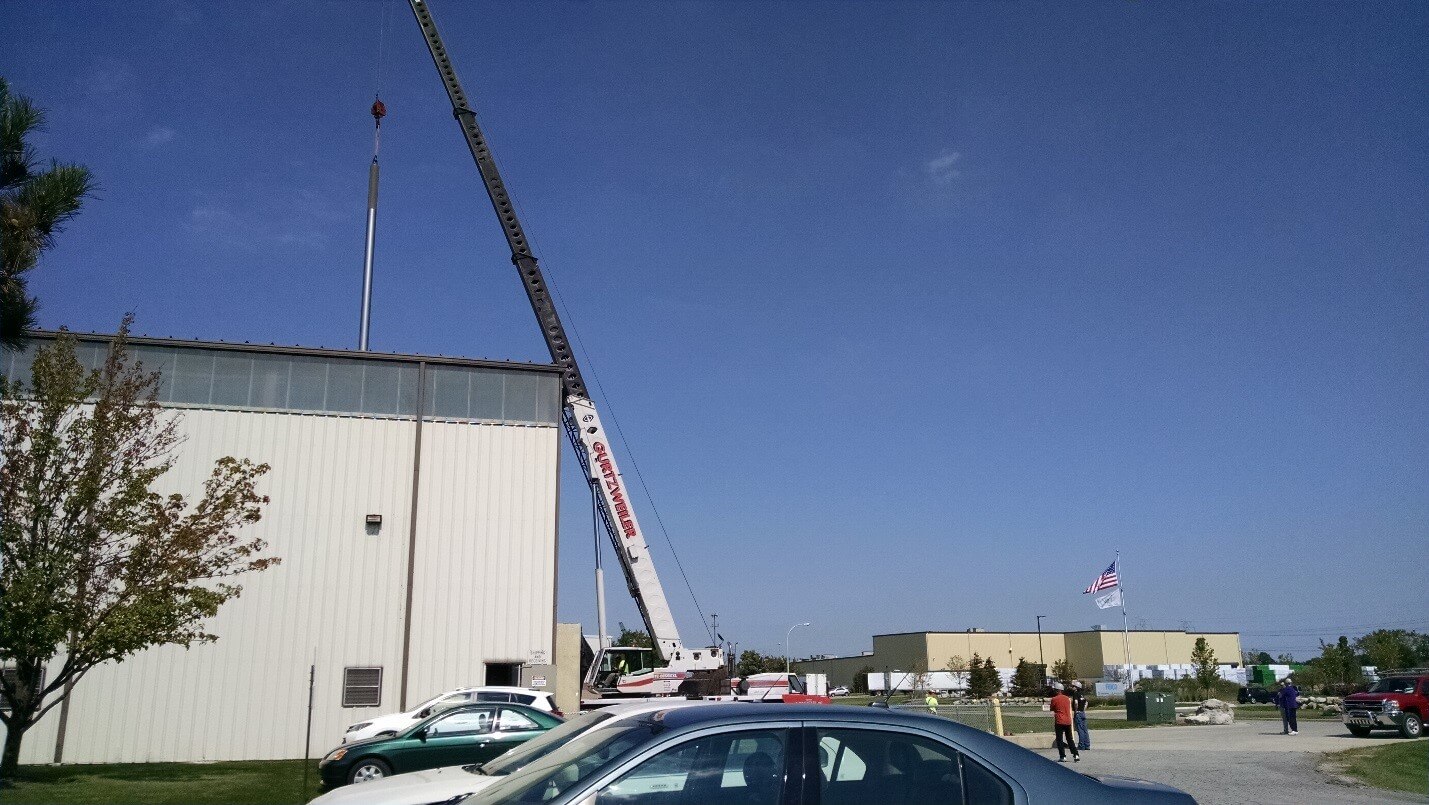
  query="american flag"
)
[{"x": 1105, "y": 581}]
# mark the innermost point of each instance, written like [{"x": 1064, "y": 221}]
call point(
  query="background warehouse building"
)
[
  {"x": 414, "y": 509},
  {"x": 1089, "y": 652}
]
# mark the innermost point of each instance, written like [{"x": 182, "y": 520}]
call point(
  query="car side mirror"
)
[{"x": 421, "y": 735}]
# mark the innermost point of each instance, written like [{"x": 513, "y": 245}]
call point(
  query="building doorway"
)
[{"x": 503, "y": 673}]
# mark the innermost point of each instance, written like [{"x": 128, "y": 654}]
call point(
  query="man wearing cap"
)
[
  {"x": 1079, "y": 717},
  {"x": 1061, "y": 707}
]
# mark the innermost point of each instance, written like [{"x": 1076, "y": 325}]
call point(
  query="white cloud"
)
[
  {"x": 943, "y": 169},
  {"x": 158, "y": 135},
  {"x": 269, "y": 217}
]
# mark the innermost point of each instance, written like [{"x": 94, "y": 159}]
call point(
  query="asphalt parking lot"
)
[{"x": 1249, "y": 761}]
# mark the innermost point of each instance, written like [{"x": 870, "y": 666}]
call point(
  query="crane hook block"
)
[{"x": 379, "y": 110}]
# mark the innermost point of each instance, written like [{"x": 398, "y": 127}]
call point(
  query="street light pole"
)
[
  {"x": 786, "y": 644},
  {"x": 1040, "y": 658}
]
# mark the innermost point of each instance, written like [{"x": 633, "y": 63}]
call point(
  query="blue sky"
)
[{"x": 913, "y": 313}]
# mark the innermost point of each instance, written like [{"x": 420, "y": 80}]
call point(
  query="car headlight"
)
[
  {"x": 1391, "y": 706},
  {"x": 336, "y": 754},
  {"x": 355, "y": 727}
]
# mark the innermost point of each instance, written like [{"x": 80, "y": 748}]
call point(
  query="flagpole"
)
[{"x": 1125, "y": 635}]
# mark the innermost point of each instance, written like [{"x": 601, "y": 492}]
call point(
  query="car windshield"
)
[
  {"x": 542, "y": 746},
  {"x": 1396, "y": 684},
  {"x": 428, "y": 703},
  {"x": 579, "y": 758}
]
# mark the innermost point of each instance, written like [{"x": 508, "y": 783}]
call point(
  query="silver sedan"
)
[{"x": 778, "y": 754}]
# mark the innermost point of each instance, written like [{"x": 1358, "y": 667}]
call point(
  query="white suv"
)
[{"x": 396, "y": 722}]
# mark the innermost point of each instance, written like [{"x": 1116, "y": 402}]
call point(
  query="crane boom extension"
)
[{"x": 579, "y": 416}]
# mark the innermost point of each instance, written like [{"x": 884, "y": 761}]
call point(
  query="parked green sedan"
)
[{"x": 470, "y": 734}]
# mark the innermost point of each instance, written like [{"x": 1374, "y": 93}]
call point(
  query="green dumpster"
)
[{"x": 1153, "y": 708}]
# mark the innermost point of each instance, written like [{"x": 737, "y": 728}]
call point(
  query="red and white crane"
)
[{"x": 617, "y": 670}]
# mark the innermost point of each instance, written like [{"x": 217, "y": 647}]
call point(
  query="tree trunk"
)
[{"x": 10, "y": 762}]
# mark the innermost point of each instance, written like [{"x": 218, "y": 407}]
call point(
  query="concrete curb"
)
[{"x": 1032, "y": 740}]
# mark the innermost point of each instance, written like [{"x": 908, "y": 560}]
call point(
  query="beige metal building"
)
[
  {"x": 418, "y": 549},
  {"x": 1089, "y": 651}
]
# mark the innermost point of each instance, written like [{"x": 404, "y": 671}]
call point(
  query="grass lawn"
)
[
  {"x": 252, "y": 782},
  {"x": 1271, "y": 712},
  {"x": 1399, "y": 766},
  {"x": 1042, "y": 722}
]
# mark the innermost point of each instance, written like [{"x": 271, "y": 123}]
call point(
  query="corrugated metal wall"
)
[{"x": 483, "y": 591}]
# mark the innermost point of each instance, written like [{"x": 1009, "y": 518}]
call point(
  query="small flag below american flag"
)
[{"x": 1105, "y": 581}]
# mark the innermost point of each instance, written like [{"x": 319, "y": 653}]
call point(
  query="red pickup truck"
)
[{"x": 1398, "y": 701}]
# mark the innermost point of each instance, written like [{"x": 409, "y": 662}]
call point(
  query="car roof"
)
[
  {"x": 1057, "y": 783},
  {"x": 497, "y": 689},
  {"x": 981, "y": 743},
  {"x": 635, "y": 708}
]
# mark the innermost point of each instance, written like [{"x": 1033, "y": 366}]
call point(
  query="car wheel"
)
[
  {"x": 1360, "y": 732},
  {"x": 1412, "y": 727},
  {"x": 367, "y": 770}
]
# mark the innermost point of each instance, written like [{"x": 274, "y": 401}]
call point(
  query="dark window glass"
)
[
  {"x": 156, "y": 359},
  {"x": 193, "y": 376},
  {"x": 491, "y": 696},
  {"x": 407, "y": 389},
  {"x": 893, "y": 768},
  {"x": 379, "y": 388},
  {"x": 486, "y": 394},
  {"x": 344, "y": 386},
  {"x": 464, "y": 722},
  {"x": 548, "y": 399},
  {"x": 447, "y": 394},
  {"x": 232, "y": 375},
  {"x": 732, "y": 767},
  {"x": 520, "y": 398},
  {"x": 307, "y": 390},
  {"x": 270, "y": 382}
]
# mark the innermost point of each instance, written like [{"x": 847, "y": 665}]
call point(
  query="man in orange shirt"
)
[{"x": 1061, "y": 706}]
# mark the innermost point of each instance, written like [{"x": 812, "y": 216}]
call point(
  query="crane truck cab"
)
[{"x": 624, "y": 672}]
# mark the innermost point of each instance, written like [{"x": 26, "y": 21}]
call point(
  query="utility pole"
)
[
  {"x": 786, "y": 644},
  {"x": 1040, "y": 657}
]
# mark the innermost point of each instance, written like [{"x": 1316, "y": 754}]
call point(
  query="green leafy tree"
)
[
  {"x": 958, "y": 667},
  {"x": 1203, "y": 664},
  {"x": 860, "y": 679},
  {"x": 1285, "y": 658},
  {"x": 94, "y": 564},
  {"x": 1387, "y": 649},
  {"x": 983, "y": 680},
  {"x": 752, "y": 662},
  {"x": 774, "y": 664},
  {"x": 1027, "y": 679},
  {"x": 1340, "y": 665},
  {"x": 634, "y": 638},
  {"x": 35, "y": 203},
  {"x": 1064, "y": 672},
  {"x": 1254, "y": 657}
]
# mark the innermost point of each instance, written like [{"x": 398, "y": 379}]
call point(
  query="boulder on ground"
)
[
  {"x": 1211, "y": 711},
  {"x": 1332, "y": 710}
]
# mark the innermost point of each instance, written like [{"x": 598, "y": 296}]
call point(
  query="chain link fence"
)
[{"x": 976, "y": 714}]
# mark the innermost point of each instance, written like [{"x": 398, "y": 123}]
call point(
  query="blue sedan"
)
[{"x": 781, "y": 754}]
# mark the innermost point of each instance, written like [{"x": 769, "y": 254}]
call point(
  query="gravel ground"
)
[{"x": 1249, "y": 761}]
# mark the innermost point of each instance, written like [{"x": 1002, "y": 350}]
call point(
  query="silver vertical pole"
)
[
  {"x": 367, "y": 258},
  {"x": 1125, "y": 637},
  {"x": 378, "y": 112}
]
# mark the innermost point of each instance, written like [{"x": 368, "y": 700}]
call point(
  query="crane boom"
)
[{"x": 579, "y": 416}]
